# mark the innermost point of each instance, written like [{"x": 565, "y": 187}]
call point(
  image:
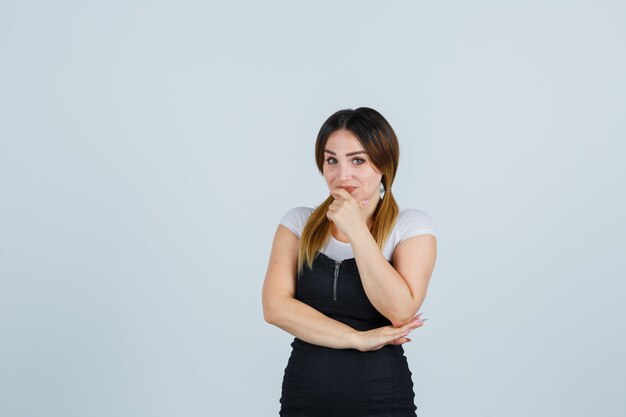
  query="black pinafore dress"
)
[{"x": 321, "y": 381}]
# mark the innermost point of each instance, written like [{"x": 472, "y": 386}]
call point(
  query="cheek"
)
[
  {"x": 328, "y": 177},
  {"x": 372, "y": 180}
]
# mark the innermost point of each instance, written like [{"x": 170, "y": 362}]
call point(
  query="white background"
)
[{"x": 149, "y": 149}]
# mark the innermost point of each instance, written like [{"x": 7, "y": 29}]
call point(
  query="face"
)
[{"x": 347, "y": 165}]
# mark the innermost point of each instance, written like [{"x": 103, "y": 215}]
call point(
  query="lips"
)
[{"x": 349, "y": 189}]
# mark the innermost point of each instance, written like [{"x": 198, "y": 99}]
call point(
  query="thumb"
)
[{"x": 363, "y": 203}]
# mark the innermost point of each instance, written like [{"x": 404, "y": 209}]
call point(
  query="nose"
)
[{"x": 345, "y": 172}]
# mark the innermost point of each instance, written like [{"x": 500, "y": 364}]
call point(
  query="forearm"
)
[
  {"x": 385, "y": 288},
  {"x": 310, "y": 325}
]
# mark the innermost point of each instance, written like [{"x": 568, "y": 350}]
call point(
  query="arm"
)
[
  {"x": 281, "y": 309},
  {"x": 396, "y": 291}
]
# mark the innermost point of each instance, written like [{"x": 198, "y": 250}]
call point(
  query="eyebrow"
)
[{"x": 348, "y": 154}]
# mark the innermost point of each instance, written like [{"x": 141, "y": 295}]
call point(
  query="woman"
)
[{"x": 348, "y": 277}]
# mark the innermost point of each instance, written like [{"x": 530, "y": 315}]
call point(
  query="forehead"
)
[{"x": 343, "y": 140}]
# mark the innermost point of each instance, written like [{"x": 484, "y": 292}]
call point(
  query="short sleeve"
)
[
  {"x": 296, "y": 218},
  {"x": 413, "y": 222}
]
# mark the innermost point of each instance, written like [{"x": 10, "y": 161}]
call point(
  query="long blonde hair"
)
[{"x": 381, "y": 144}]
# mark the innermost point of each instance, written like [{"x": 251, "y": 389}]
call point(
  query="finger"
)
[
  {"x": 410, "y": 324},
  {"x": 388, "y": 337},
  {"x": 413, "y": 325},
  {"x": 417, "y": 317},
  {"x": 402, "y": 334},
  {"x": 413, "y": 320},
  {"x": 334, "y": 207},
  {"x": 341, "y": 193},
  {"x": 400, "y": 341},
  {"x": 398, "y": 330},
  {"x": 335, "y": 193},
  {"x": 389, "y": 331}
]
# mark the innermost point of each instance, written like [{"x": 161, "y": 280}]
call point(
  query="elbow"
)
[
  {"x": 270, "y": 311},
  {"x": 400, "y": 321},
  {"x": 268, "y": 302},
  {"x": 268, "y": 315},
  {"x": 404, "y": 313},
  {"x": 400, "y": 318}
]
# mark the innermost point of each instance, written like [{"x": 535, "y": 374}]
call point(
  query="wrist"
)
[
  {"x": 360, "y": 235},
  {"x": 354, "y": 337}
]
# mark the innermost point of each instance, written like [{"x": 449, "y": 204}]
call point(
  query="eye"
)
[
  {"x": 331, "y": 161},
  {"x": 358, "y": 161}
]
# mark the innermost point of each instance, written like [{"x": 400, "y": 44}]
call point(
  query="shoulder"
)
[
  {"x": 298, "y": 213},
  {"x": 295, "y": 219},
  {"x": 412, "y": 222}
]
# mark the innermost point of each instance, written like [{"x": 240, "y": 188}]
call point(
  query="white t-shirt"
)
[{"x": 410, "y": 222}]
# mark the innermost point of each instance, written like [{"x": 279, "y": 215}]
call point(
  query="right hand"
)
[{"x": 387, "y": 335}]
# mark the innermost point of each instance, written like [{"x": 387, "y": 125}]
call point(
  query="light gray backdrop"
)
[{"x": 149, "y": 149}]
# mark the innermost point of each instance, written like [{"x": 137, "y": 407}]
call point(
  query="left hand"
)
[{"x": 346, "y": 213}]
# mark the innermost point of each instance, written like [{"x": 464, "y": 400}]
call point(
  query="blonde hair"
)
[{"x": 381, "y": 144}]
